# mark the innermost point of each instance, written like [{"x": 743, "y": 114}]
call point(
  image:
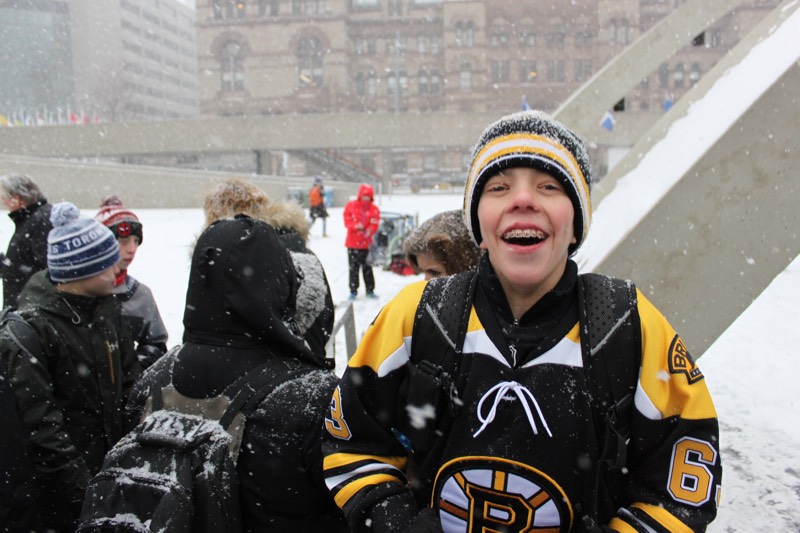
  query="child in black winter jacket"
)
[{"x": 240, "y": 309}]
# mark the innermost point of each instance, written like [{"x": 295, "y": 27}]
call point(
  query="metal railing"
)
[{"x": 347, "y": 320}]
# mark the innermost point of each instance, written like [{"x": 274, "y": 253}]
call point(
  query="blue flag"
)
[
  {"x": 525, "y": 105},
  {"x": 608, "y": 121}
]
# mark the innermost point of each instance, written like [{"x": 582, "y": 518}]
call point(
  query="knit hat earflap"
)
[
  {"x": 78, "y": 247},
  {"x": 531, "y": 139},
  {"x": 121, "y": 221}
]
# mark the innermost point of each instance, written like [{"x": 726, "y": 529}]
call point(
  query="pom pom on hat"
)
[
  {"x": 78, "y": 247},
  {"x": 531, "y": 139},
  {"x": 121, "y": 221},
  {"x": 64, "y": 213}
]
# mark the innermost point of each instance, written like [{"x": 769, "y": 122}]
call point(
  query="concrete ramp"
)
[
  {"x": 702, "y": 213},
  {"x": 85, "y": 184}
]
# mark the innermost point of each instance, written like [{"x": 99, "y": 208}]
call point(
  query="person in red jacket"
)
[{"x": 361, "y": 218}]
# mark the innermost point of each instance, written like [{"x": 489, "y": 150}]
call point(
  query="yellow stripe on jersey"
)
[
  {"x": 670, "y": 391},
  {"x": 338, "y": 460},
  {"x": 343, "y": 496},
  {"x": 617, "y": 524},
  {"x": 663, "y": 517}
]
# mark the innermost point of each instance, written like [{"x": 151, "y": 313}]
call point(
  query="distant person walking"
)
[
  {"x": 361, "y": 218},
  {"x": 27, "y": 249},
  {"x": 316, "y": 204},
  {"x": 139, "y": 309}
]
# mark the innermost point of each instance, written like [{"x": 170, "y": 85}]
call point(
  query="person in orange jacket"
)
[
  {"x": 316, "y": 204},
  {"x": 361, "y": 218}
]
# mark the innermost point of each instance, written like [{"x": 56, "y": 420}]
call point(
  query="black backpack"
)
[
  {"x": 21, "y": 332},
  {"x": 176, "y": 471},
  {"x": 610, "y": 345}
]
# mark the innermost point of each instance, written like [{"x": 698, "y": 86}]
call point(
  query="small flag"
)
[
  {"x": 525, "y": 105},
  {"x": 608, "y": 121},
  {"x": 667, "y": 105}
]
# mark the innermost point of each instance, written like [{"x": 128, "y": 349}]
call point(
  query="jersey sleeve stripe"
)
[
  {"x": 667, "y": 520},
  {"x": 621, "y": 526},
  {"x": 342, "y": 496},
  {"x": 338, "y": 460}
]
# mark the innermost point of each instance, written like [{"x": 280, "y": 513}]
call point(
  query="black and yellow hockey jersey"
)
[{"x": 519, "y": 456}]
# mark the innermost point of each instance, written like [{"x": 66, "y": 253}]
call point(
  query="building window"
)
[
  {"x": 422, "y": 43},
  {"x": 395, "y": 8},
  {"x": 465, "y": 34},
  {"x": 267, "y": 7},
  {"x": 618, "y": 32},
  {"x": 584, "y": 39},
  {"x": 422, "y": 82},
  {"x": 677, "y": 76},
  {"x": 555, "y": 71},
  {"x": 465, "y": 77},
  {"x": 309, "y": 61},
  {"x": 308, "y": 7},
  {"x": 434, "y": 83},
  {"x": 527, "y": 71},
  {"x": 694, "y": 73},
  {"x": 397, "y": 84},
  {"x": 399, "y": 164},
  {"x": 527, "y": 39},
  {"x": 699, "y": 40},
  {"x": 583, "y": 69},
  {"x": 241, "y": 9},
  {"x": 500, "y": 71},
  {"x": 663, "y": 76},
  {"x": 499, "y": 39},
  {"x": 555, "y": 40},
  {"x": 372, "y": 85},
  {"x": 361, "y": 84},
  {"x": 232, "y": 67}
]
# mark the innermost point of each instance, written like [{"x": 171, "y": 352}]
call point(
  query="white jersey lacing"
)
[{"x": 525, "y": 397}]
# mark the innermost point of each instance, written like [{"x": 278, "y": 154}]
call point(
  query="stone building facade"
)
[{"x": 412, "y": 56}]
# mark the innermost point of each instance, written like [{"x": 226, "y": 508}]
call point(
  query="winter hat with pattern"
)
[
  {"x": 120, "y": 220},
  {"x": 78, "y": 247},
  {"x": 531, "y": 139}
]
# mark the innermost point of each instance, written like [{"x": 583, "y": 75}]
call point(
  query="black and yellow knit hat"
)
[{"x": 531, "y": 139}]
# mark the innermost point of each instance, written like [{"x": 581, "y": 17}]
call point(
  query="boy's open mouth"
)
[{"x": 524, "y": 237}]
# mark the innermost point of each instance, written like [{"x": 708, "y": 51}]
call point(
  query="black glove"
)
[
  {"x": 426, "y": 521},
  {"x": 395, "y": 513}
]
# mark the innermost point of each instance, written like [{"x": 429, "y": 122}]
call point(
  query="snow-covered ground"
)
[{"x": 751, "y": 370}]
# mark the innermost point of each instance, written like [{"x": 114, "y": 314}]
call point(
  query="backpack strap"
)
[
  {"x": 21, "y": 333},
  {"x": 440, "y": 326},
  {"x": 248, "y": 391},
  {"x": 611, "y": 346}
]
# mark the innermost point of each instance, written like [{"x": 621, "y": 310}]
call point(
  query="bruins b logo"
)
[
  {"x": 680, "y": 362},
  {"x": 480, "y": 494}
]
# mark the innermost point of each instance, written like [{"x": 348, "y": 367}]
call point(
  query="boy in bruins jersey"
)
[{"x": 521, "y": 451}]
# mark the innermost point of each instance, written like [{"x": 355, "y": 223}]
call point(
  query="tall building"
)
[
  {"x": 412, "y": 56},
  {"x": 97, "y": 60}
]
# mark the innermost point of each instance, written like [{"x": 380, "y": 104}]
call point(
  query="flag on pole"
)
[{"x": 608, "y": 121}]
